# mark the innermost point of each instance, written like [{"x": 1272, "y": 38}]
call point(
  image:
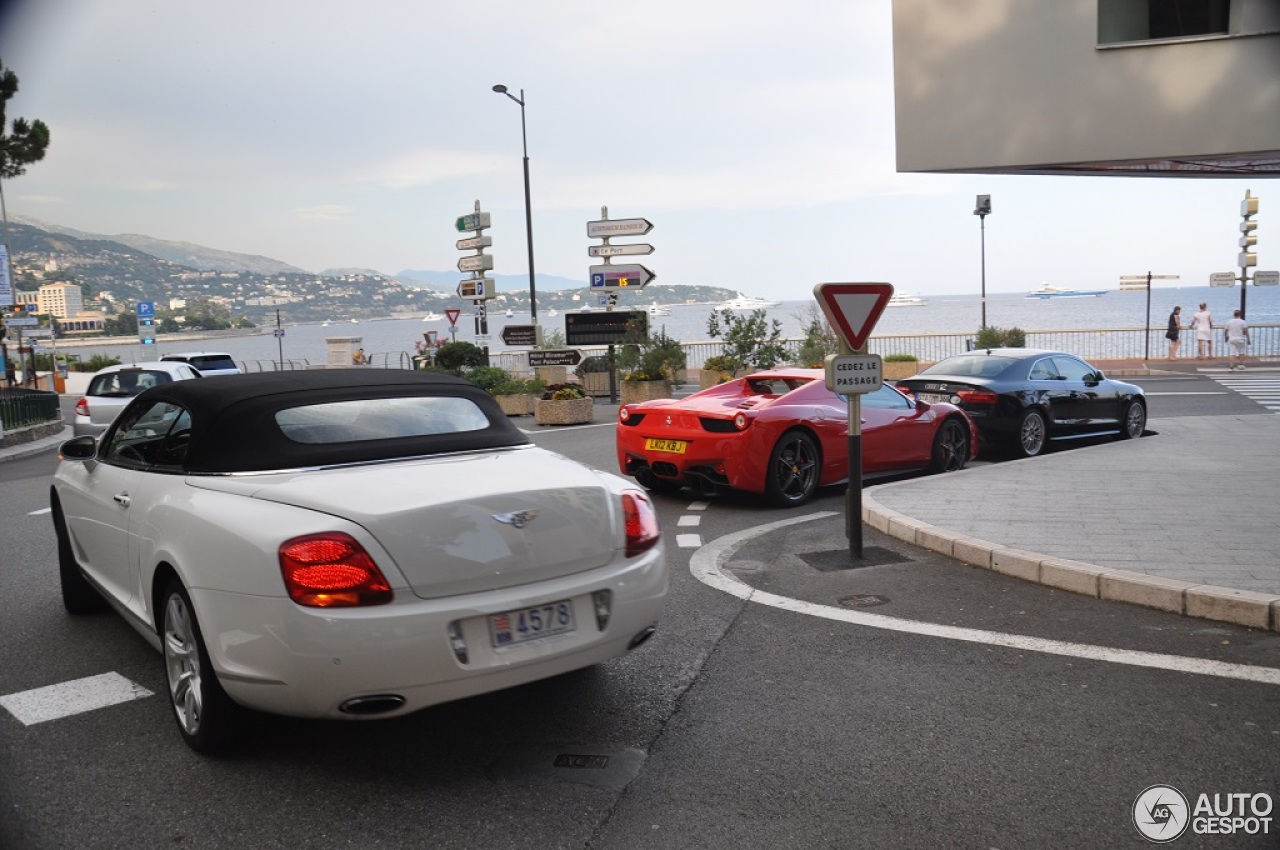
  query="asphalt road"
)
[{"x": 741, "y": 724}]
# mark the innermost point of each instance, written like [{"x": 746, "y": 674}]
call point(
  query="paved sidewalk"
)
[{"x": 1183, "y": 520}]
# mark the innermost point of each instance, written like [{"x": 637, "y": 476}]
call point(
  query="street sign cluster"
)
[
  {"x": 608, "y": 277},
  {"x": 477, "y": 288}
]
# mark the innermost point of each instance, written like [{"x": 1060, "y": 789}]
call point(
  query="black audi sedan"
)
[{"x": 1021, "y": 398}]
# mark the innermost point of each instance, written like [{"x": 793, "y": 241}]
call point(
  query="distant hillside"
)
[
  {"x": 186, "y": 254},
  {"x": 448, "y": 281}
]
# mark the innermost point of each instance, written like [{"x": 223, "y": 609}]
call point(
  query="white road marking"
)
[
  {"x": 689, "y": 541},
  {"x": 74, "y": 697},
  {"x": 698, "y": 506},
  {"x": 705, "y": 564},
  {"x": 1205, "y": 392},
  {"x": 41, "y": 511},
  {"x": 689, "y": 521},
  {"x": 557, "y": 429}
]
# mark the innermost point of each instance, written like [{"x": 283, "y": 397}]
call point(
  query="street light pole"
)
[
  {"x": 982, "y": 210},
  {"x": 528, "y": 208}
]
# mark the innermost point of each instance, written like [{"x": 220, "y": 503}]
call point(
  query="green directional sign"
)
[{"x": 472, "y": 221}]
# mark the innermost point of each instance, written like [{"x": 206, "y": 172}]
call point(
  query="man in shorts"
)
[{"x": 1237, "y": 334}]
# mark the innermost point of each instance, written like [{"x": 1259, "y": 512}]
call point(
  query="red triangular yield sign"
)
[
  {"x": 452, "y": 316},
  {"x": 853, "y": 308}
]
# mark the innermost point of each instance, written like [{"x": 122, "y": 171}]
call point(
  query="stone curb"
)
[
  {"x": 1205, "y": 601},
  {"x": 21, "y": 450}
]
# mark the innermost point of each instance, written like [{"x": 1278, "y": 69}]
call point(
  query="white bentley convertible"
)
[{"x": 348, "y": 543}]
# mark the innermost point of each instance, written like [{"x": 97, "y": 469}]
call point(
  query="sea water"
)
[{"x": 392, "y": 340}]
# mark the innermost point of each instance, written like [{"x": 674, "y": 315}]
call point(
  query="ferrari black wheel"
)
[
  {"x": 793, "y": 471},
  {"x": 950, "y": 447}
]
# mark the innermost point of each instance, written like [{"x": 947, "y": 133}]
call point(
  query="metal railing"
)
[
  {"x": 20, "y": 408},
  {"x": 1091, "y": 344}
]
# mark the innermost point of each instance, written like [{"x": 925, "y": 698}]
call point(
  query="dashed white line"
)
[
  {"x": 687, "y": 520},
  {"x": 39, "y": 512},
  {"x": 705, "y": 566},
  {"x": 74, "y": 697},
  {"x": 689, "y": 541}
]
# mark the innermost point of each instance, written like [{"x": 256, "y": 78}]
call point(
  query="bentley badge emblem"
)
[{"x": 517, "y": 518}]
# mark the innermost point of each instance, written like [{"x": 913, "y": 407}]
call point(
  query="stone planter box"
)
[
  {"x": 897, "y": 369},
  {"x": 631, "y": 392},
  {"x": 570, "y": 411},
  {"x": 516, "y": 405}
]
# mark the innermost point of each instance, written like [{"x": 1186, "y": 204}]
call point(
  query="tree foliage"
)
[
  {"x": 750, "y": 340},
  {"x": 27, "y": 141},
  {"x": 819, "y": 339}
]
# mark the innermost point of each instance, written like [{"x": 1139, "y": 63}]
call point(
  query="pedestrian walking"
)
[
  {"x": 1174, "y": 333},
  {"x": 1202, "y": 324},
  {"x": 1237, "y": 334}
]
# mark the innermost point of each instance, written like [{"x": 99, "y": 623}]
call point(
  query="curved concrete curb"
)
[
  {"x": 1242, "y": 607},
  {"x": 34, "y": 447}
]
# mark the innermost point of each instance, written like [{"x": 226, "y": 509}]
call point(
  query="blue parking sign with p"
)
[
  {"x": 146, "y": 309},
  {"x": 597, "y": 280}
]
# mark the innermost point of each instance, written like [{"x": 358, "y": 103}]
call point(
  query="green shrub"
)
[
  {"x": 900, "y": 358},
  {"x": 749, "y": 340},
  {"x": 94, "y": 363},
  {"x": 993, "y": 337},
  {"x": 594, "y": 364},
  {"x": 488, "y": 378},
  {"x": 819, "y": 340},
  {"x": 562, "y": 392},
  {"x": 460, "y": 355}
]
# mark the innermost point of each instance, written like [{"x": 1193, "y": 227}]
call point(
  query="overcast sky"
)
[{"x": 757, "y": 137}]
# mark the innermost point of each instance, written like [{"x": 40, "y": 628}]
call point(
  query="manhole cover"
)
[
  {"x": 840, "y": 559},
  {"x": 863, "y": 600}
]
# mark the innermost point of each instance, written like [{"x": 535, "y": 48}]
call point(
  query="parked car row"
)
[{"x": 272, "y": 537}]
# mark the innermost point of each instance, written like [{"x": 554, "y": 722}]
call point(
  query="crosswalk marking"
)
[
  {"x": 74, "y": 697},
  {"x": 1261, "y": 387}
]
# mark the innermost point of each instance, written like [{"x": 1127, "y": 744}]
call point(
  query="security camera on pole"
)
[{"x": 478, "y": 288}]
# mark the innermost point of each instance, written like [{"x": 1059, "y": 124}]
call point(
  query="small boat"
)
[
  {"x": 510, "y": 313},
  {"x": 903, "y": 300},
  {"x": 746, "y": 302},
  {"x": 658, "y": 310},
  {"x": 1046, "y": 291},
  {"x": 552, "y": 312},
  {"x": 326, "y": 324},
  {"x": 432, "y": 317}
]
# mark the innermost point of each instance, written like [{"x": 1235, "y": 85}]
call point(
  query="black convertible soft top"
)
[{"x": 234, "y": 428}]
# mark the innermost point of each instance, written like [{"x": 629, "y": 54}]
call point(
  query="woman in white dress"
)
[{"x": 1202, "y": 322}]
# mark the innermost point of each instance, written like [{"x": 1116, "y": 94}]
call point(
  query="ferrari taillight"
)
[
  {"x": 986, "y": 397},
  {"x": 641, "y": 522},
  {"x": 331, "y": 570},
  {"x": 741, "y": 421},
  {"x": 623, "y": 414},
  {"x": 82, "y": 407}
]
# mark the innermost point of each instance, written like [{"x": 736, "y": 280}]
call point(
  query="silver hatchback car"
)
[{"x": 112, "y": 388}]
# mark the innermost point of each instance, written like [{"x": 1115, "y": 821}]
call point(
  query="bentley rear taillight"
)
[
  {"x": 331, "y": 570},
  {"x": 641, "y": 522}
]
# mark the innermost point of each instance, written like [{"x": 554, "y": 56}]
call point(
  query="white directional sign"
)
[
  {"x": 853, "y": 308},
  {"x": 620, "y": 276},
  {"x": 475, "y": 242},
  {"x": 476, "y": 263},
  {"x": 1266, "y": 278},
  {"x": 619, "y": 250},
  {"x": 854, "y": 374},
  {"x": 1222, "y": 279},
  {"x": 618, "y": 227},
  {"x": 476, "y": 289}
]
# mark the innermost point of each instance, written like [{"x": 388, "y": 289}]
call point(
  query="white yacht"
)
[
  {"x": 656, "y": 309},
  {"x": 746, "y": 302},
  {"x": 1047, "y": 290},
  {"x": 432, "y": 317},
  {"x": 903, "y": 300}
]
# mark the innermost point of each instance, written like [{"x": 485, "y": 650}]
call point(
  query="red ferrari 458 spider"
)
[{"x": 783, "y": 433}]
